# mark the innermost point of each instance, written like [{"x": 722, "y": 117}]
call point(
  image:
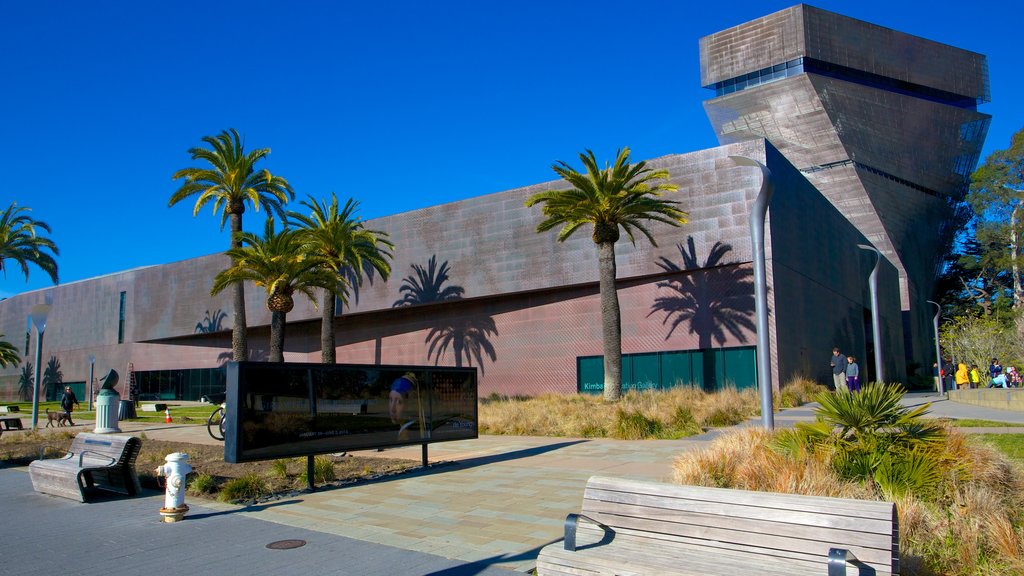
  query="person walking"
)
[
  {"x": 68, "y": 401},
  {"x": 852, "y": 374},
  {"x": 838, "y": 363},
  {"x": 947, "y": 374}
]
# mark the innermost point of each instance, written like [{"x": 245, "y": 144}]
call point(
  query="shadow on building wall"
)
[
  {"x": 211, "y": 322},
  {"x": 468, "y": 336},
  {"x": 709, "y": 299}
]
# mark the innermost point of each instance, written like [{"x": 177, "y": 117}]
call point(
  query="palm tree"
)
[
  {"x": 623, "y": 196},
  {"x": 20, "y": 241},
  {"x": 8, "y": 354},
  {"x": 25, "y": 382},
  {"x": 276, "y": 263},
  {"x": 426, "y": 285},
  {"x": 230, "y": 182},
  {"x": 346, "y": 249}
]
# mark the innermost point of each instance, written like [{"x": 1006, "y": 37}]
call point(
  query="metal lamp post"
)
[
  {"x": 92, "y": 366},
  {"x": 938, "y": 353},
  {"x": 39, "y": 313},
  {"x": 875, "y": 325},
  {"x": 758, "y": 212}
]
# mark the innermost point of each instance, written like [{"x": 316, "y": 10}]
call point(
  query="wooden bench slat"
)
[{"x": 840, "y": 506}]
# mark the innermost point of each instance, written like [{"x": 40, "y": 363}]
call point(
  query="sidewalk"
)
[{"x": 491, "y": 503}]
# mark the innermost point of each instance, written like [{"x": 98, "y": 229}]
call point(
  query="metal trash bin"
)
[
  {"x": 126, "y": 410},
  {"x": 106, "y": 412}
]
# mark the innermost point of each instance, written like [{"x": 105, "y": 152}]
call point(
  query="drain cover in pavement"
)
[{"x": 286, "y": 544}]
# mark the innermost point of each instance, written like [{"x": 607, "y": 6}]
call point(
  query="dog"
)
[{"x": 60, "y": 418}]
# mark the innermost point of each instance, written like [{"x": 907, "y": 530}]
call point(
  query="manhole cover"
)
[{"x": 286, "y": 544}]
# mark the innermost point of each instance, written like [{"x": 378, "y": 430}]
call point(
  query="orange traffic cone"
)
[{"x": 167, "y": 415}]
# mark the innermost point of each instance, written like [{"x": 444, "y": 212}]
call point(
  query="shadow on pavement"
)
[
  {"x": 252, "y": 508},
  {"x": 481, "y": 565}
]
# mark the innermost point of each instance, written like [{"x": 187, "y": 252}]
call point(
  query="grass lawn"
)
[
  {"x": 1012, "y": 445},
  {"x": 192, "y": 413},
  {"x": 977, "y": 423}
]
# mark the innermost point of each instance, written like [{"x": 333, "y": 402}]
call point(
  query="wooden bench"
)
[
  {"x": 11, "y": 423},
  {"x": 94, "y": 461},
  {"x": 635, "y": 527}
]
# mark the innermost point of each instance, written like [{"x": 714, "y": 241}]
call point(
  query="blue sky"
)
[{"x": 400, "y": 105}]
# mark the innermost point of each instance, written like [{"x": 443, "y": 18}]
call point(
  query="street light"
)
[
  {"x": 39, "y": 313},
  {"x": 92, "y": 365},
  {"x": 758, "y": 212},
  {"x": 875, "y": 329},
  {"x": 938, "y": 357}
]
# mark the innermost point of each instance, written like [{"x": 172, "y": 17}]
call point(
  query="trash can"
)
[
  {"x": 126, "y": 411},
  {"x": 106, "y": 412}
]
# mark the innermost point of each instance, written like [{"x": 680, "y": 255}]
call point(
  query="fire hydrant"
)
[{"x": 175, "y": 470}]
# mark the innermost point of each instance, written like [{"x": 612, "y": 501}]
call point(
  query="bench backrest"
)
[
  {"x": 122, "y": 449},
  {"x": 786, "y": 526}
]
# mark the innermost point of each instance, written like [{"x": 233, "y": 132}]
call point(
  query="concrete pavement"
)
[{"x": 485, "y": 505}]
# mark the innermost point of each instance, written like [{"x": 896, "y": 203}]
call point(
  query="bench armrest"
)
[
  {"x": 571, "y": 522},
  {"x": 82, "y": 454},
  {"x": 838, "y": 558}
]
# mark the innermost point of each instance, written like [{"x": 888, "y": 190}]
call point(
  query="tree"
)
[
  {"x": 997, "y": 197},
  {"x": 21, "y": 241},
  {"x": 8, "y": 354},
  {"x": 230, "y": 182},
  {"x": 276, "y": 263},
  {"x": 623, "y": 196},
  {"x": 346, "y": 248},
  {"x": 976, "y": 340}
]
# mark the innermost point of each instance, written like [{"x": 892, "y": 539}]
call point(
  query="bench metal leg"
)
[{"x": 838, "y": 558}]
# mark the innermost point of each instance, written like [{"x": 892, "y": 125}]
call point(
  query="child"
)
[
  {"x": 1013, "y": 376},
  {"x": 852, "y": 374},
  {"x": 975, "y": 376}
]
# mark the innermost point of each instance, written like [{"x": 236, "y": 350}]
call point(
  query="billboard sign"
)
[{"x": 284, "y": 410}]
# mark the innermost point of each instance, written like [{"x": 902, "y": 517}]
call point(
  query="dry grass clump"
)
[
  {"x": 974, "y": 525},
  {"x": 674, "y": 413},
  {"x": 797, "y": 392}
]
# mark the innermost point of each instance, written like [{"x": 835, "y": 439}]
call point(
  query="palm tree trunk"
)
[
  {"x": 327, "y": 355},
  {"x": 611, "y": 323},
  {"x": 239, "y": 340},
  {"x": 277, "y": 324}
]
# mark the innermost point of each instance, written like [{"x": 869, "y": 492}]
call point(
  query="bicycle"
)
[{"x": 215, "y": 423}]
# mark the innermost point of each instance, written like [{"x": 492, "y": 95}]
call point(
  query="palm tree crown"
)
[
  {"x": 8, "y": 354},
  {"x": 229, "y": 182},
  {"x": 20, "y": 241},
  {"x": 623, "y": 196},
  {"x": 346, "y": 248},
  {"x": 276, "y": 263}
]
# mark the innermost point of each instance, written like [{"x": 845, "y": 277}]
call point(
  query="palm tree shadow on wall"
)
[
  {"x": 211, "y": 322},
  {"x": 712, "y": 300},
  {"x": 255, "y": 355},
  {"x": 467, "y": 335}
]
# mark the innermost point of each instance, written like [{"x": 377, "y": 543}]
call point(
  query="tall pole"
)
[
  {"x": 92, "y": 365},
  {"x": 938, "y": 357},
  {"x": 39, "y": 312},
  {"x": 876, "y": 333},
  {"x": 758, "y": 213}
]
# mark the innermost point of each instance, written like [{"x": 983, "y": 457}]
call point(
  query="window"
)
[{"x": 120, "y": 321}]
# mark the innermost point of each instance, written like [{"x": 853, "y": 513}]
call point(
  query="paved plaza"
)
[{"x": 485, "y": 506}]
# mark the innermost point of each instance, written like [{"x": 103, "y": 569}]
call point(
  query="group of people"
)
[
  {"x": 970, "y": 376},
  {"x": 845, "y": 372}
]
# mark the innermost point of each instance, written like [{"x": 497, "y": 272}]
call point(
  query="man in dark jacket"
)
[
  {"x": 838, "y": 362},
  {"x": 67, "y": 403}
]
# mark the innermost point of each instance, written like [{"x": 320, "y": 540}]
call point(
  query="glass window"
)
[{"x": 120, "y": 321}]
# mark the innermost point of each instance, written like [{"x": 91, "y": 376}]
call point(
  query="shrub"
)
[
  {"x": 279, "y": 468},
  {"x": 201, "y": 484},
  {"x": 247, "y": 487},
  {"x": 323, "y": 471},
  {"x": 632, "y": 425}
]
